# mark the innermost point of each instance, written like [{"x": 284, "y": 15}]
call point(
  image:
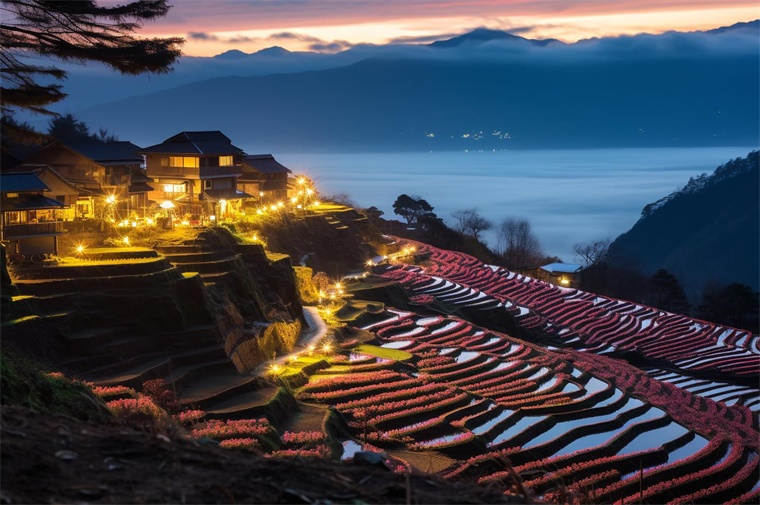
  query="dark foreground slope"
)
[
  {"x": 708, "y": 231},
  {"x": 57, "y": 459}
]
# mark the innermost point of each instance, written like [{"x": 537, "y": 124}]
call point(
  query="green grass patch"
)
[{"x": 382, "y": 352}]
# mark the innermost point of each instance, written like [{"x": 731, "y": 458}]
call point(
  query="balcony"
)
[
  {"x": 31, "y": 229},
  {"x": 194, "y": 173}
]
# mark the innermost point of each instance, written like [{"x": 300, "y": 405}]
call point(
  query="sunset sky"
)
[{"x": 212, "y": 27}]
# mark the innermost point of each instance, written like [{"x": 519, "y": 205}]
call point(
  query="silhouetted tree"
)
[
  {"x": 736, "y": 305},
  {"x": 67, "y": 128},
  {"x": 666, "y": 293},
  {"x": 469, "y": 222},
  {"x": 412, "y": 208},
  {"x": 18, "y": 140},
  {"x": 517, "y": 244},
  {"x": 80, "y": 31},
  {"x": 104, "y": 135},
  {"x": 592, "y": 253}
]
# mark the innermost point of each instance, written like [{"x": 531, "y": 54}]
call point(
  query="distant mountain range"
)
[
  {"x": 486, "y": 89},
  {"x": 707, "y": 231}
]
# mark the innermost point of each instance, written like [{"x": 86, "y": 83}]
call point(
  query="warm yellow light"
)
[
  {"x": 311, "y": 350},
  {"x": 564, "y": 281},
  {"x": 317, "y": 203},
  {"x": 80, "y": 249},
  {"x": 273, "y": 207},
  {"x": 293, "y": 200},
  {"x": 111, "y": 199},
  {"x": 259, "y": 211},
  {"x": 327, "y": 347},
  {"x": 275, "y": 368},
  {"x": 212, "y": 217},
  {"x": 149, "y": 221},
  {"x": 166, "y": 204},
  {"x": 293, "y": 358},
  {"x": 301, "y": 180},
  {"x": 134, "y": 224},
  {"x": 370, "y": 263},
  {"x": 126, "y": 240},
  {"x": 185, "y": 223},
  {"x": 309, "y": 191},
  {"x": 280, "y": 204}
]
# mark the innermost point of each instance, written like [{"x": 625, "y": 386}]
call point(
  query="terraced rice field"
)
[{"x": 570, "y": 421}]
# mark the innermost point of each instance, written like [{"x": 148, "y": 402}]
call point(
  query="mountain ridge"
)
[{"x": 705, "y": 232}]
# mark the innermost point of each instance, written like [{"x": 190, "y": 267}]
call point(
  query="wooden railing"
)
[
  {"x": 194, "y": 173},
  {"x": 22, "y": 230}
]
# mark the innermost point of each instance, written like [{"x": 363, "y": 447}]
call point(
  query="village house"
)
[
  {"x": 264, "y": 177},
  {"x": 109, "y": 176},
  {"x": 60, "y": 188},
  {"x": 561, "y": 274},
  {"x": 196, "y": 175},
  {"x": 30, "y": 221}
]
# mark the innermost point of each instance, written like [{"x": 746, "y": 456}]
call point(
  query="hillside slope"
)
[{"x": 707, "y": 231}]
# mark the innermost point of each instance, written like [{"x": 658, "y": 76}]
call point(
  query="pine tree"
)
[{"x": 79, "y": 31}]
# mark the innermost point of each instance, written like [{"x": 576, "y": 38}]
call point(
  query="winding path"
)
[{"x": 314, "y": 333}]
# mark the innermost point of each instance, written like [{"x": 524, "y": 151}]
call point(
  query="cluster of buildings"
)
[{"x": 193, "y": 176}]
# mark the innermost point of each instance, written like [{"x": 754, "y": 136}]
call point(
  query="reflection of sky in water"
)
[{"x": 569, "y": 196}]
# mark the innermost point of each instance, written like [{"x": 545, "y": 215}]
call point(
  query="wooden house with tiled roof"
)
[
  {"x": 30, "y": 221},
  {"x": 99, "y": 170},
  {"x": 197, "y": 173},
  {"x": 265, "y": 177}
]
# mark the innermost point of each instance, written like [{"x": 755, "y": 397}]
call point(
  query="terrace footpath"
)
[{"x": 316, "y": 331}]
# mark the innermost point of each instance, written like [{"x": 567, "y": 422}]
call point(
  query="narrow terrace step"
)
[
  {"x": 179, "y": 249},
  {"x": 213, "y": 266},
  {"x": 198, "y": 257},
  {"x": 189, "y": 376},
  {"x": 84, "y": 364},
  {"x": 134, "y": 371},
  {"x": 108, "y": 283},
  {"x": 219, "y": 388},
  {"x": 244, "y": 405},
  {"x": 88, "y": 339}
]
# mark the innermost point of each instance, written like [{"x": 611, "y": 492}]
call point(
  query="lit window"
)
[
  {"x": 174, "y": 188},
  {"x": 12, "y": 195},
  {"x": 225, "y": 161},
  {"x": 183, "y": 161}
]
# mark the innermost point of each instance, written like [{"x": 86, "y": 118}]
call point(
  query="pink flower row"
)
[{"x": 219, "y": 430}]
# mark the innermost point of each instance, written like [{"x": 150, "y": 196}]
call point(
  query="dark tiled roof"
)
[
  {"x": 33, "y": 202},
  {"x": 209, "y": 143},
  {"x": 21, "y": 182},
  {"x": 264, "y": 163},
  {"x": 107, "y": 153},
  {"x": 41, "y": 170}
]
